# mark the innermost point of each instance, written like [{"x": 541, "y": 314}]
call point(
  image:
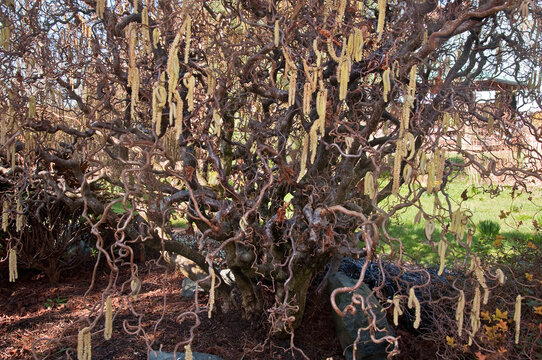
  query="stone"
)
[
  {"x": 160, "y": 355},
  {"x": 347, "y": 327},
  {"x": 189, "y": 288}
]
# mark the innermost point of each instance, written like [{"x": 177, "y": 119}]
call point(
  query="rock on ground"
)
[{"x": 347, "y": 327}]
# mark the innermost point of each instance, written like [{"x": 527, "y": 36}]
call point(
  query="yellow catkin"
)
[
  {"x": 407, "y": 173},
  {"x": 331, "y": 50},
  {"x": 132, "y": 40},
  {"x": 368, "y": 184},
  {"x": 340, "y": 11},
  {"x": 475, "y": 314},
  {"x": 172, "y": 68},
  {"x": 459, "y": 312},
  {"x": 145, "y": 30},
  {"x": 317, "y": 53},
  {"x": 5, "y": 216},
  {"x": 211, "y": 293},
  {"x": 292, "y": 88},
  {"x": 19, "y": 220},
  {"x": 187, "y": 38},
  {"x": 135, "y": 4},
  {"x": 476, "y": 266},
  {"x": 218, "y": 123},
  {"x": 84, "y": 347},
  {"x": 178, "y": 115},
  {"x": 423, "y": 162},
  {"x": 425, "y": 37},
  {"x": 307, "y": 96},
  {"x": 321, "y": 108},
  {"x": 100, "y": 8},
  {"x": 188, "y": 352},
  {"x": 31, "y": 107},
  {"x": 156, "y": 37},
  {"x": 517, "y": 317},
  {"x": 13, "y": 153},
  {"x": 442, "y": 246},
  {"x": 414, "y": 302},
  {"x": 430, "y": 176},
  {"x": 344, "y": 76},
  {"x": 13, "y": 274},
  {"x": 359, "y": 42},
  {"x": 304, "y": 156},
  {"x": 134, "y": 97},
  {"x": 412, "y": 84},
  {"x": 381, "y": 18},
  {"x": 108, "y": 329},
  {"x": 350, "y": 46},
  {"x": 276, "y": 34},
  {"x": 386, "y": 81},
  {"x": 159, "y": 98},
  {"x": 397, "y": 167},
  {"x": 313, "y": 140},
  {"x": 500, "y": 276},
  {"x": 396, "y": 309},
  {"x": 211, "y": 82},
  {"x": 190, "y": 83}
]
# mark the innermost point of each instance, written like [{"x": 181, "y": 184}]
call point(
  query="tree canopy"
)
[{"x": 287, "y": 133}]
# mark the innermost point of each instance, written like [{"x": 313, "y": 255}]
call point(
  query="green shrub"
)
[{"x": 488, "y": 229}]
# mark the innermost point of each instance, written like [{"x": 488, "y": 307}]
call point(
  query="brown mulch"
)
[{"x": 24, "y": 318}]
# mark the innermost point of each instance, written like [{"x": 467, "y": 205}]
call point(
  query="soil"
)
[{"x": 32, "y": 308}]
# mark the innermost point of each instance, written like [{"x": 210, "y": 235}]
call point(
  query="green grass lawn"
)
[{"x": 516, "y": 227}]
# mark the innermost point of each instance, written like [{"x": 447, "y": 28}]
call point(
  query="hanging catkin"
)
[
  {"x": 13, "y": 274},
  {"x": 211, "y": 292},
  {"x": 307, "y": 96},
  {"x": 344, "y": 76},
  {"x": 187, "y": 38},
  {"x": 386, "y": 82},
  {"x": 292, "y": 88},
  {"x": 190, "y": 83},
  {"x": 5, "y": 216},
  {"x": 381, "y": 18},
  {"x": 84, "y": 348},
  {"x": 517, "y": 317},
  {"x": 369, "y": 186},
  {"x": 145, "y": 30},
  {"x": 172, "y": 68},
  {"x": 19, "y": 219},
  {"x": 108, "y": 328},
  {"x": 134, "y": 97},
  {"x": 414, "y": 302},
  {"x": 304, "y": 156},
  {"x": 459, "y": 312},
  {"x": 398, "y": 158},
  {"x": 396, "y": 309},
  {"x": 442, "y": 246},
  {"x": 276, "y": 34},
  {"x": 31, "y": 107},
  {"x": 100, "y": 8},
  {"x": 475, "y": 314},
  {"x": 359, "y": 42},
  {"x": 313, "y": 140},
  {"x": 178, "y": 115},
  {"x": 412, "y": 84}
]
